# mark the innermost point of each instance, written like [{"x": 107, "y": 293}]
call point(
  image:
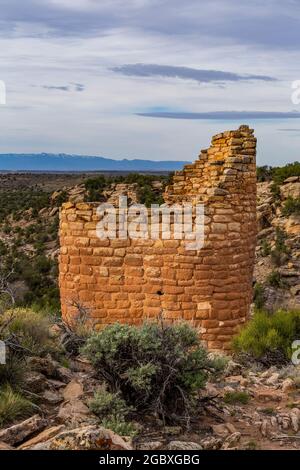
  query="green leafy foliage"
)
[
  {"x": 269, "y": 335},
  {"x": 265, "y": 248},
  {"x": 274, "y": 279},
  {"x": 280, "y": 174},
  {"x": 20, "y": 220},
  {"x": 291, "y": 206},
  {"x": 13, "y": 405},
  {"x": 15, "y": 202},
  {"x": 259, "y": 296},
  {"x": 264, "y": 173},
  {"x": 29, "y": 329},
  {"x": 122, "y": 428},
  {"x": 232, "y": 398},
  {"x": 108, "y": 405},
  {"x": 144, "y": 185},
  {"x": 95, "y": 187},
  {"x": 280, "y": 252},
  {"x": 155, "y": 366},
  {"x": 12, "y": 372}
]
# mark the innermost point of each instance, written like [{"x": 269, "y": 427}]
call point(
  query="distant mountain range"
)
[{"x": 64, "y": 162}]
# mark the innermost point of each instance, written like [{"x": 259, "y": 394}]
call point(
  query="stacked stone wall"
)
[{"x": 123, "y": 279}]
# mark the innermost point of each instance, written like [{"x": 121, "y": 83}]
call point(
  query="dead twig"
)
[
  {"x": 283, "y": 436},
  {"x": 5, "y": 287}
]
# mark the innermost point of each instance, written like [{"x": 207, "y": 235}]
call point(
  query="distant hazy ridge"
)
[{"x": 62, "y": 162}]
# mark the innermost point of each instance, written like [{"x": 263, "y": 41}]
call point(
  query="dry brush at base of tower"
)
[{"x": 119, "y": 280}]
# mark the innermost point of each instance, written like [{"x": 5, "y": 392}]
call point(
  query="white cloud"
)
[{"x": 100, "y": 119}]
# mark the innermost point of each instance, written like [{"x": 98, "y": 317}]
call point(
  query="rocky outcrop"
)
[{"x": 282, "y": 258}]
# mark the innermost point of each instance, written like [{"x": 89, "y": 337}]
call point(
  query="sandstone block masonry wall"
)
[{"x": 119, "y": 280}]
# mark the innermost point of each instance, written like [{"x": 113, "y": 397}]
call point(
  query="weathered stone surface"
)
[
  {"x": 64, "y": 374},
  {"x": 18, "y": 432},
  {"x": 269, "y": 395},
  {"x": 4, "y": 446},
  {"x": 231, "y": 441},
  {"x": 73, "y": 391},
  {"x": 292, "y": 189},
  {"x": 53, "y": 398},
  {"x": 292, "y": 225},
  {"x": 182, "y": 445},
  {"x": 35, "y": 382},
  {"x": 211, "y": 443},
  {"x": 74, "y": 411},
  {"x": 288, "y": 385},
  {"x": 88, "y": 438},
  {"x": 42, "y": 437},
  {"x": 150, "y": 445},
  {"x": 223, "y": 430},
  {"x": 43, "y": 365}
]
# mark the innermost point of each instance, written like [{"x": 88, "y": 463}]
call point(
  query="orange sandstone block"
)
[
  {"x": 132, "y": 289},
  {"x": 112, "y": 261},
  {"x": 133, "y": 260},
  {"x": 210, "y": 324},
  {"x": 91, "y": 260},
  {"x": 74, "y": 269},
  {"x": 99, "y": 242},
  {"x": 80, "y": 241}
]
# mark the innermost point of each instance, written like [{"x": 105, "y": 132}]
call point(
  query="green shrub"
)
[
  {"x": 291, "y": 206},
  {"x": 275, "y": 191},
  {"x": 108, "y": 405},
  {"x": 232, "y": 398},
  {"x": 61, "y": 198},
  {"x": 277, "y": 258},
  {"x": 259, "y": 296},
  {"x": 75, "y": 334},
  {"x": 3, "y": 248},
  {"x": 268, "y": 336},
  {"x": 274, "y": 279},
  {"x": 280, "y": 251},
  {"x": 265, "y": 248},
  {"x": 30, "y": 329},
  {"x": 112, "y": 411},
  {"x": 269, "y": 411},
  {"x": 252, "y": 445},
  {"x": 264, "y": 173},
  {"x": 280, "y": 174},
  {"x": 155, "y": 367},
  {"x": 13, "y": 405},
  {"x": 123, "y": 428},
  {"x": 146, "y": 193},
  {"x": 95, "y": 187},
  {"x": 16, "y": 201},
  {"x": 12, "y": 372},
  {"x": 280, "y": 238}
]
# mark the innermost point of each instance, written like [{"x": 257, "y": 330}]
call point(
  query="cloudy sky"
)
[{"x": 149, "y": 79}]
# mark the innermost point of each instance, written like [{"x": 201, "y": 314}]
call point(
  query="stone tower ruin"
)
[{"x": 119, "y": 280}]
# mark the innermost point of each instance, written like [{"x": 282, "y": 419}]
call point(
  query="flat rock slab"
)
[
  {"x": 73, "y": 411},
  {"x": 4, "y": 446},
  {"x": 182, "y": 445},
  {"x": 53, "y": 398},
  {"x": 268, "y": 395},
  {"x": 90, "y": 437},
  {"x": 18, "y": 432},
  {"x": 42, "y": 437},
  {"x": 73, "y": 391}
]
